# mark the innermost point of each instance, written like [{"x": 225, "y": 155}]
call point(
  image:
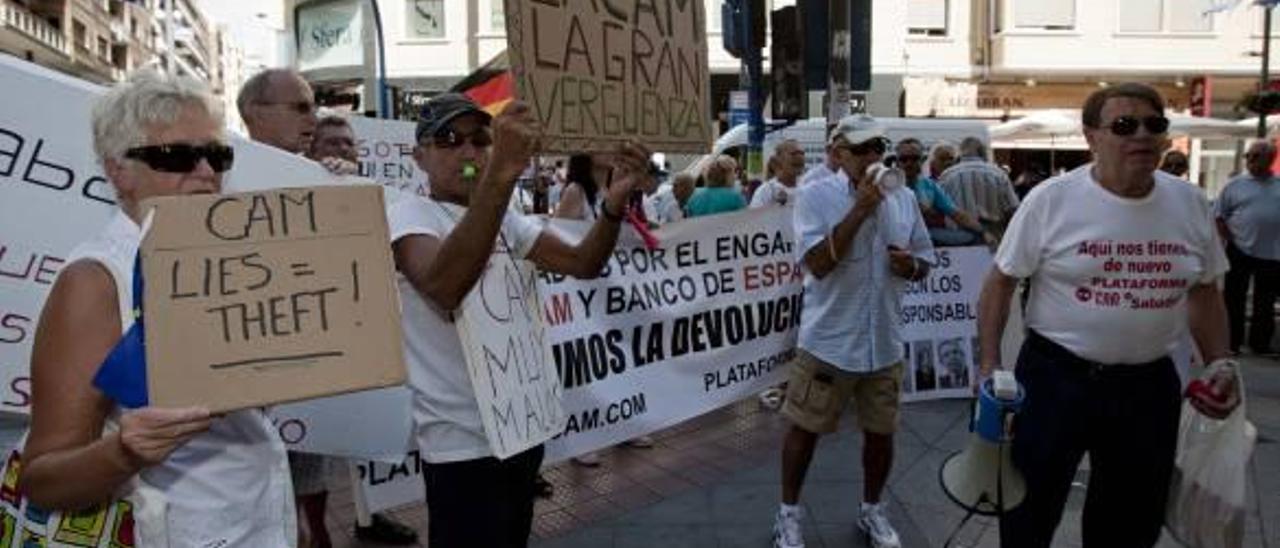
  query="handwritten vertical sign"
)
[
  {"x": 509, "y": 358},
  {"x": 600, "y": 73},
  {"x": 267, "y": 297}
]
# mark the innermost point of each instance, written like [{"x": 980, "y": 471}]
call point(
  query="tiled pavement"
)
[{"x": 713, "y": 482}]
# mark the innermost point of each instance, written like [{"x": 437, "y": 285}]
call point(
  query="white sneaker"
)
[
  {"x": 786, "y": 530},
  {"x": 877, "y": 527}
]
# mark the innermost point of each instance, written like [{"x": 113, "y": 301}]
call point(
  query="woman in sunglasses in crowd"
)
[{"x": 191, "y": 478}]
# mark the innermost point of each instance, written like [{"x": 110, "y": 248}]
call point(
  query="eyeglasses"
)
[
  {"x": 183, "y": 158},
  {"x": 448, "y": 138},
  {"x": 300, "y": 107},
  {"x": 873, "y": 146},
  {"x": 1128, "y": 125}
]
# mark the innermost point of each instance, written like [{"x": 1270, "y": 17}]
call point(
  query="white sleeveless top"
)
[{"x": 227, "y": 487}]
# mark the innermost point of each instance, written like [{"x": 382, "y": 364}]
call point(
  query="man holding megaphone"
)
[{"x": 1122, "y": 259}]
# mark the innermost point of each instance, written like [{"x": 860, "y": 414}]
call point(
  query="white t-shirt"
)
[
  {"x": 772, "y": 192},
  {"x": 445, "y": 415},
  {"x": 1110, "y": 275}
]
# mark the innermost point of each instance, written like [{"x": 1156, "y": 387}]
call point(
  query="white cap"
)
[{"x": 857, "y": 128}]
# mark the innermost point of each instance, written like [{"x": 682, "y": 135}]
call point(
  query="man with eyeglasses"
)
[
  {"x": 279, "y": 109},
  {"x": 442, "y": 244},
  {"x": 1122, "y": 259},
  {"x": 1248, "y": 215},
  {"x": 980, "y": 188},
  {"x": 935, "y": 205},
  {"x": 859, "y": 240}
]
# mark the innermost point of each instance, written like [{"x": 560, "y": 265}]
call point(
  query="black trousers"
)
[
  {"x": 1266, "y": 283},
  {"x": 1125, "y": 417},
  {"x": 482, "y": 503}
]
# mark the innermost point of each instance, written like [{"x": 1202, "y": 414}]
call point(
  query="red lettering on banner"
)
[
  {"x": 1134, "y": 275},
  {"x": 770, "y": 274}
]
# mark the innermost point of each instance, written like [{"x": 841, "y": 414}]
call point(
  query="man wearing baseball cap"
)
[
  {"x": 442, "y": 243},
  {"x": 861, "y": 238}
]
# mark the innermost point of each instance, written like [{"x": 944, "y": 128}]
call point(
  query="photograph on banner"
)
[
  {"x": 262, "y": 298},
  {"x": 597, "y": 75},
  {"x": 505, "y": 343},
  {"x": 666, "y": 334},
  {"x": 940, "y": 325}
]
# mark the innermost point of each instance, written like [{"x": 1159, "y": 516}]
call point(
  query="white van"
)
[{"x": 811, "y": 134}]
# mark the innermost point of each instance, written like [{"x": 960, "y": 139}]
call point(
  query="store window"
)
[
  {"x": 497, "y": 17},
  {"x": 927, "y": 17},
  {"x": 425, "y": 19},
  {"x": 1164, "y": 15},
  {"x": 1044, "y": 14}
]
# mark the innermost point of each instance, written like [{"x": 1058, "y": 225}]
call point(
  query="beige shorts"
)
[{"x": 817, "y": 393}]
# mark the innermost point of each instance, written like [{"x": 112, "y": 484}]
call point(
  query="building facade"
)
[{"x": 104, "y": 40}]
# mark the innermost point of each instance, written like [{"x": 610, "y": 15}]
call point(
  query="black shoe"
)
[{"x": 382, "y": 529}]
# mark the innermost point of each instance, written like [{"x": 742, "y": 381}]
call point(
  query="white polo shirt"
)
[{"x": 853, "y": 316}]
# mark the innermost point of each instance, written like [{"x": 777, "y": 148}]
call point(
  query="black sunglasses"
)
[
  {"x": 183, "y": 158},
  {"x": 448, "y": 138},
  {"x": 909, "y": 157},
  {"x": 1128, "y": 125}
]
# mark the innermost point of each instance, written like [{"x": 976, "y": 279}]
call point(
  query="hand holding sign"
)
[
  {"x": 150, "y": 434},
  {"x": 630, "y": 172}
]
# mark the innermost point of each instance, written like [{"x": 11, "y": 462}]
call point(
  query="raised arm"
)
[
  {"x": 588, "y": 257},
  {"x": 468, "y": 246},
  {"x": 823, "y": 257}
]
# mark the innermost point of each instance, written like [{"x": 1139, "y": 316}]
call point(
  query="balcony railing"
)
[{"x": 17, "y": 17}]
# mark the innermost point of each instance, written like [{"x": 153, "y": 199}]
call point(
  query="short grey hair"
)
[
  {"x": 973, "y": 146},
  {"x": 255, "y": 88},
  {"x": 149, "y": 98},
  {"x": 941, "y": 147}
]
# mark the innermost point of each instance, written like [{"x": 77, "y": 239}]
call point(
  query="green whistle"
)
[{"x": 469, "y": 171}]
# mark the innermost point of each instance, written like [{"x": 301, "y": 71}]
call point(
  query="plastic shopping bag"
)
[{"x": 1207, "y": 497}]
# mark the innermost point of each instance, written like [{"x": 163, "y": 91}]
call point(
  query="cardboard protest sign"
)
[
  {"x": 268, "y": 297},
  {"x": 508, "y": 356},
  {"x": 600, "y": 73}
]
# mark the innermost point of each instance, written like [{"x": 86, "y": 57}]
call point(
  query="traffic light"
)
[
  {"x": 813, "y": 20},
  {"x": 786, "y": 55},
  {"x": 732, "y": 33}
]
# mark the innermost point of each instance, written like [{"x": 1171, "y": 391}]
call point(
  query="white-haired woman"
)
[{"x": 192, "y": 479}]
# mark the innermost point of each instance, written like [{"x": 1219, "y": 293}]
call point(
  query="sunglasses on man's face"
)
[
  {"x": 183, "y": 158},
  {"x": 904, "y": 158},
  {"x": 1128, "y": 125},
  {"x": 874, "y": 146},
  {"x": 448, "y": 138}
]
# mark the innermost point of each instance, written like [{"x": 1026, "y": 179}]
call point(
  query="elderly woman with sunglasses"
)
[{"x": 192, "y": 479}]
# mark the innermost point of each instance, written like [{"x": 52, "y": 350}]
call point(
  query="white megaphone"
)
[{"x": 982, "y": 478}]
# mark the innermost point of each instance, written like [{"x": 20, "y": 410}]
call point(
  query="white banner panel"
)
[{"x": 664, "y": 335}]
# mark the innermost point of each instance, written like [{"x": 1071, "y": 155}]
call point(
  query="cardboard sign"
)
[
  {"x": 598, "y": 74},
  {"x": 509, "y": 357},
  {"x": 268, "y": 297}
]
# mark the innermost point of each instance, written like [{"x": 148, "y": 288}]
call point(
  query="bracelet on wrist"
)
[{"x": 609, "y": 215}]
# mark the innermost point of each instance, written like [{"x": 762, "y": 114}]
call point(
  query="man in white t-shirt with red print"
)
[
  {"x": 1122, "y": 261},
  {"x": 442, "y": 244}
]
